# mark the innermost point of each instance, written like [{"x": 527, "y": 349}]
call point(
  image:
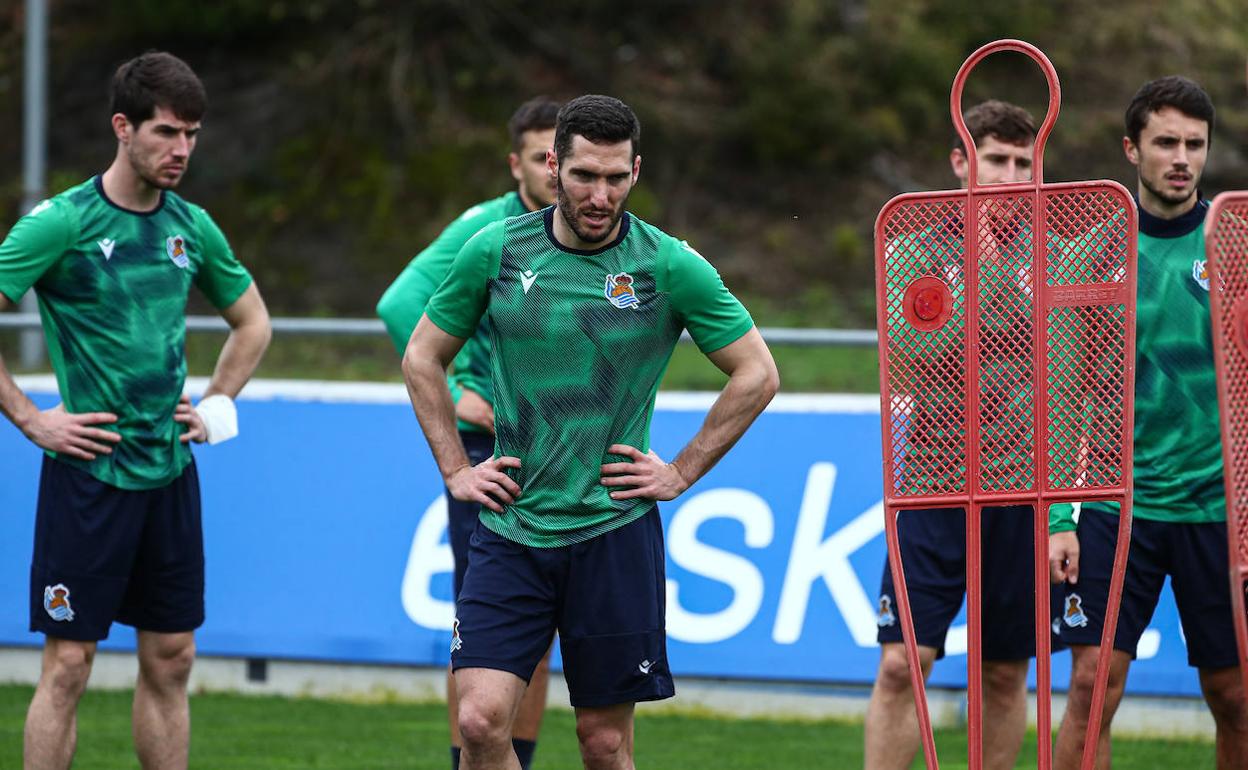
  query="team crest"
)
[
  {"x": 886, "y": 615},
  {"x": 175, "y": 245},
  {"x": 56, "y": 602},
  {"x": 1200, "y": 273},
  {"x": 456, "y": 641},
  {"x": 619, "y": 290},
  {"x": 1074, "y": 616}
]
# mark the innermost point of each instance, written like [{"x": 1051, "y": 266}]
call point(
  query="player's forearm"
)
[
  {"x": 15, "y": 404},
  {"x": 240, "y": 356},
  {"x": 750, "y": 388},
  {"x": 425, "y": 377}
]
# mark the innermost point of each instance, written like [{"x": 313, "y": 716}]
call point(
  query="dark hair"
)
[
  {"x": 1006, "y": 122},
  {"x": 600, "y": 119},
  {"x": 1171, "y": 91},
  {"x": 157, "y": 79},
  {"x": 537, "y": 114}
]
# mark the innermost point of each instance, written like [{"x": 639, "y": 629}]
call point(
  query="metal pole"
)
[{"x": 34, "y": 149}]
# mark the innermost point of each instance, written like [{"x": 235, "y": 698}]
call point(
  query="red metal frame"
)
[
  {"x": 1066, "y": 317},
  {"x": 1226, "y": 252}
]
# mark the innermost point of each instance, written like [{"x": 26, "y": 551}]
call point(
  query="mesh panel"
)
[
  {"x": 1082, "y": 395},
  {"x": 1088, "y": 250},
  {"x": 926, "y": 375},
  {"x": 1227, "y": 248}
]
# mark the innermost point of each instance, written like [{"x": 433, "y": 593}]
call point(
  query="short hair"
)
[
  {"x": 1006, "y": 122},
  {"x": 157, "y": 79},
  {"x": 1171, "y": 91},
  {"x": 600, "y": 119},
  {"x": 537, "y": 114}
]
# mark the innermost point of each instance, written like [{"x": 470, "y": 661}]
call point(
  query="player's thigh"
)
[
  {"x": 86, "y": 536},
  {"x": 505, "y": 614},
  {"x": 933, "y": 557},
  {"x": 1199, "y": 570},
  {"x": 1008, "y": 586},
  {"x": 166, "y": 589},
  {"x": 612, "y": 622},
  {"x": 1084, "y": 604}
]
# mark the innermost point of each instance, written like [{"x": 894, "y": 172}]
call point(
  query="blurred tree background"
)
[{"x": 344, "y": 134}]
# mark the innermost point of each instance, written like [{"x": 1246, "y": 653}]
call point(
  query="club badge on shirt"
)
[
  {"x": 619, "y": 291},
  {"x": 175, "y": 246},
  {"x": 1200, "y": 273}
]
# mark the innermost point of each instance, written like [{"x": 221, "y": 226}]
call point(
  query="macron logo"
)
[
  {"x": 106, "y": 245},
  {"x": 645, "y": 666},
  {"x": 527, "y": 280}
]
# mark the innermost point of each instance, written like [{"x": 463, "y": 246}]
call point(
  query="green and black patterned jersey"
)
[
  {"x": 112, "y": 287},
  {"x": 404, "y": 301},
  {"x": 580, "y": 340},
  {"x": 1178, "y": 443}
]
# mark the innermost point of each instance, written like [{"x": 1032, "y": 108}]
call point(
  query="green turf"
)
[{"x": 233, "y": 732}]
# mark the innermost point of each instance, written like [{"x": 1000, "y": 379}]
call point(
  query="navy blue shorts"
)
[
  {"x": 933, "y": 554},
  {"x": 104, "y": 554},
  {"x": 1193, "y": 555},
  {"x": 605, "y": 596},
  {"x": 461, "y": 517}
]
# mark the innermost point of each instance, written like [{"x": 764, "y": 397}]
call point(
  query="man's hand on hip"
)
[
  {"x": 647, "y": 474},
  {"x": 74, "y": 435}
]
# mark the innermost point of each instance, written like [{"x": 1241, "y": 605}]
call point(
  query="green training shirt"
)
[
  {"x": 404, "y": 301},
  {"x": 581, "y": 340},
  {"x": 1178, "y": 443},
  {"x": 112, "y": 287}
]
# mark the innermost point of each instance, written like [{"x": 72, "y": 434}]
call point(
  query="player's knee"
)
[
  {"x": 600, "y": 740},
  {"x": 480, "y": 725},
  {"x": 169, "y": 665},
  {"x": 894, "y": 673},
  {"x": 66, "y": 671},
  {"x": 1228, "y": 704},
  {"x": 1005, "y": 681}
]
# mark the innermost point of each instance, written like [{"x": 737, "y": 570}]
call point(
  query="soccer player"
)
[
  {"x": 1179, "y": 515},
  {"x": 933, "y": 542},
  {"x": 585, "y": 303},
  {"x": 117, "y": 532},
  {"x": 532, "y": 130}
]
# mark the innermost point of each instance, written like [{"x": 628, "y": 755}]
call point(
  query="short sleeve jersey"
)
[
  {"x": 1178, "y": 444},
  {"x": 112, "y": 287},
  {"x": 404, "y": 301},
  {"x": 581, "y": 340}
]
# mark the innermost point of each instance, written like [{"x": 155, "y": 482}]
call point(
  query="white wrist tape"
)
[{"x": 219, "y": 416}]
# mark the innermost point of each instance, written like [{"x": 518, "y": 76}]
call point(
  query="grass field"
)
[{"x": 232, "y": 732}]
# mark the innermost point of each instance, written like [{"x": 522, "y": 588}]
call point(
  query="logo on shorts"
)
[
  {"x": 1073, "y": 615},
  {"x": 56, "y": 602},
  {"x": 456, "y": 641},
  {"x": 645, "y": 666},
  {"x": 175, "y": 245},
  {"x": 1200, "y": 273},
  {"x": 619, "y": 290},
  {"x": 886, "y": 615}
]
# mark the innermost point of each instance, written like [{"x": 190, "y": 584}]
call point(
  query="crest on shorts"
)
[
  {"x": 175, "y": 246},
  {"x": 886, "y": 616},
  {"x": 456, "y": 641},
  {"x": 56, "y": 602},
  {"x": 1073, "y": 614},
  {"x": 1200, "y": 273},
  {"x": 619, "y": 290}
]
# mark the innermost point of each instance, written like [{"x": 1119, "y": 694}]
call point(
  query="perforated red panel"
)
[
  {"x": 1226, "y": 249},
  {"x": 964, "y": 395}
]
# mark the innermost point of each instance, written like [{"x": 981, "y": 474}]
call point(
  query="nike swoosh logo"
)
[
  {"x": 106, "y": 246},
  {"x": 527, "y": 281}
]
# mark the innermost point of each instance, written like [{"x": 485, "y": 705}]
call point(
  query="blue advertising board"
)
[{"x": 325, "y": 530}]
